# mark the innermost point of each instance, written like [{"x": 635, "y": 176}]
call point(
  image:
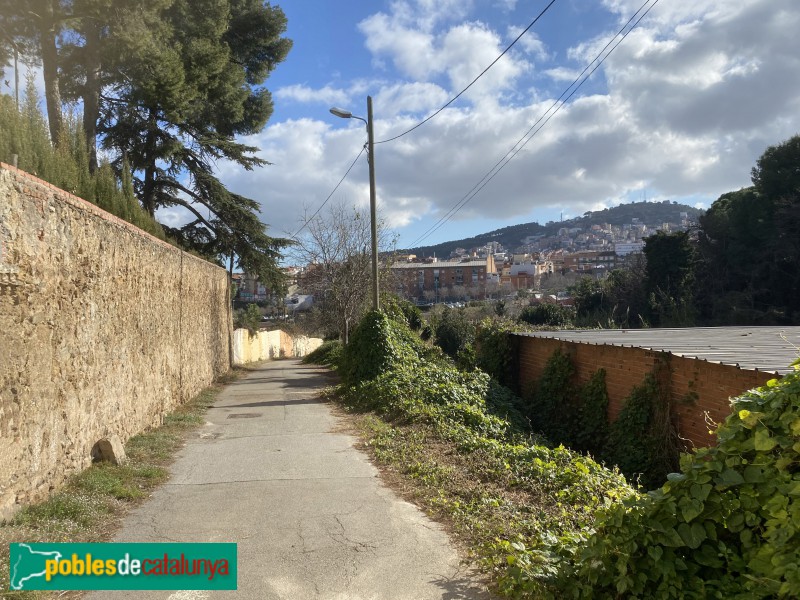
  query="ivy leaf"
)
[
  {"x": 692, "y": 535},
  {"x": 763, "y": 441},
  {"x": 700, "y": 492},
  {"x": 750, "y": 419},
  {"x": 729, "y": 477},
  {"x": 753, "y": 474},
  {"x": 690, "y": 508}
]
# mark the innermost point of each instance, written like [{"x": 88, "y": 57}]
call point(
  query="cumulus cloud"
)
[
  {"x": 681, "y": 109},
  {"x": 305, "y": 94}
]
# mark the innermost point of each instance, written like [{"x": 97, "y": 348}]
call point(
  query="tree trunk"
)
[
  {"x": 47, "y": 39},
  {"x": 91, "y": 92},
  {"x": 149, "y": 182}
]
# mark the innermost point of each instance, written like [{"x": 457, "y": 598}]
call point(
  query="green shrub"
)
[
  {"x": 592, "y": 426},
  {"x": 454, "y": 331},
  {"x": 552, "y": 315},
  {"x": 552, "y": 406},
  {"x": 328, "y": 354},
  {"x": 495, "y": 350},
  {"x": 248, "y": 318},
  {"x": 434, "y": 392},
  {"x": 402, "y": 311},
  {"x": 726, "y": 526},
  {"x": 392, "y": 374},
  {"x": 642, "y": 441},
  {"x": 376, "y": 344}
]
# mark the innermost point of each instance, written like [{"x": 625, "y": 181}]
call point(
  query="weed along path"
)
[{"x": 308, "y": 511}]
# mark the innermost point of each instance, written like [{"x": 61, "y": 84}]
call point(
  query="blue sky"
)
[{"x": 680, "y": 111}]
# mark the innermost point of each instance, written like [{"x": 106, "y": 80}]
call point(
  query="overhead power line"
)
[
  {"x": 333, "y": 191},
  {"x": 471, "y": 83},
  {"x": 543, "y": 119}
]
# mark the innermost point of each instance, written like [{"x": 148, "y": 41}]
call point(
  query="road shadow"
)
[
  {"x": 462, "y": 588},
  {"x": 294, "y": 402}
]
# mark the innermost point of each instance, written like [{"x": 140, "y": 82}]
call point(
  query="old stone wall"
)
[
  {"x": 103, "y": 330},
  {"x": 269, "y": 345},
  {"x": 698, "y": 389}
]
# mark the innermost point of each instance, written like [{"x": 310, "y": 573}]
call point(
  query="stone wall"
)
[
  {"x": 103, "y": 330},
  {"x": 698, "y": 389},
  {"x": 268, "y": 345}
]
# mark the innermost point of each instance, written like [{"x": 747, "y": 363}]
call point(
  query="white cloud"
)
[
  {"x": 460, "y": 51},
  {"x": 305, "y": 94},
  {"x": 682, "y": 109}
]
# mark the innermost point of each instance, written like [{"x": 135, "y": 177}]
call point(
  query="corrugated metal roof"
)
[{"x": 770, "y": 349}]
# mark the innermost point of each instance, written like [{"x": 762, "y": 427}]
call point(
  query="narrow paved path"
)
[{"x": 308, "y": 511}]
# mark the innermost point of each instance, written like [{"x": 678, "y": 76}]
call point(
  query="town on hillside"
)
[{"x": 548, "y": 261}]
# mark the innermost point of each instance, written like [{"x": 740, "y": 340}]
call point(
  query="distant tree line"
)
[
  {"x": 165, "y": 87},
  {"x": 741, "y": 266}
]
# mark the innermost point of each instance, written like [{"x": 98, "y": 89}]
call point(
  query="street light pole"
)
[
  {"x": 373, "y": 203},
  {"x": 373, "y": 208}
]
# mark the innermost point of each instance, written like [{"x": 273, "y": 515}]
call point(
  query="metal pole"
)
[
  {"x": 372, "y": 204},
  {"x": 16, "y": 77}
]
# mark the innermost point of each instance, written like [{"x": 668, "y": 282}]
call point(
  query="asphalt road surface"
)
[{"x": 311, "y": 518}]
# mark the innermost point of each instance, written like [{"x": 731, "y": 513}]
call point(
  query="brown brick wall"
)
[{"x": 697, "y": 387}]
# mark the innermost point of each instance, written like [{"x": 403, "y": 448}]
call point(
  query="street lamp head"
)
[{"x": 340, "y": 112}]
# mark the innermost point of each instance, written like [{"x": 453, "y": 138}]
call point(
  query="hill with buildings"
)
[{"x": 515, "y": 237}]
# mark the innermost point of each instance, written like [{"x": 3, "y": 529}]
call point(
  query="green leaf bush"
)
[
  {"x": 328, "y": 354},
  {"x": 454, "y": 332},
  {"x": 494, "y": 349},
  {"x": 726, "y": 526},
  {"x": 378, "y": 343},
  {"x": 409, "y": 385},
  {"x": 551, "y": 315},
  {"x": 552, "y": 405}
]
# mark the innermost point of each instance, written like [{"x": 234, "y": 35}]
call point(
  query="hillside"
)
[{"x": 650, "y": 213}]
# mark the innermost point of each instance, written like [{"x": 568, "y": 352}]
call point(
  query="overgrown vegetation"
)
[
  {"x": 88, "y": 507},
  {"x": 545, "y": 313},
  {"x": 642, "y": 441},
  {"x": 495, "y": 349},
  {"x": 552, "y": 523},
  {"x": 328, "y": 354},
  {"x": 724, "y": 527},
  {"x": 552, "y": 404},
  {"x": 461, "y": 439},
  {"x": 454, "y": 332}
]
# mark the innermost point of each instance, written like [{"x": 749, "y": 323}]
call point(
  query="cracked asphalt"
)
[{"x": 312, "y": 519}]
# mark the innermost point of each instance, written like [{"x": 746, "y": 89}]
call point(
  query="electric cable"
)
[
  {"x": 316, "y": 212},
  {"x": 541, "y": 121},
  {"x": 482, "y": 73}
]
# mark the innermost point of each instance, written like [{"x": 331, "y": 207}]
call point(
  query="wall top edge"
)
[{"x": 96, "y": 211}]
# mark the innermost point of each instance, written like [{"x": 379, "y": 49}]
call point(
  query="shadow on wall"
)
[{"x": 269, "y": 345}]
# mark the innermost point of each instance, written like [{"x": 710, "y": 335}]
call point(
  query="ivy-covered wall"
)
[{"x": 697, "y": 388}]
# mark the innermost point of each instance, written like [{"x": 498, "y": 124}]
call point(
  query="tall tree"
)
[
  {"x": 194, "y": 87},
  {"x": 750, "y": 245},
  {"x": 167, "y": 86},
  {"x": 34, "y": 27},
  {"x": 670, "y": 270}
]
